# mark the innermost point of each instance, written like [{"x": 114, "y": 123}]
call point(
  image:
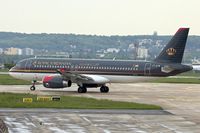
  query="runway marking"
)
[
  {"x": 16, "y": 126},
  {"x": 48, "y": 123},
  {"x": 62, "y": 119},
  {"x": 57, "y": 130},
  {"x": 30, "y": 124},
  {"x": 106, "y": 131},
  {"x": 103, "y": 120},
  {"x": 140, "y": 131},
  {"x": 87, "y": 120},
  {"x": 169, "y": 128}
]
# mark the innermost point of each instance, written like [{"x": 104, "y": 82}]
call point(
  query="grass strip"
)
[
  {"x": 177, "y": 80},
  {"x": 4, "y": 70},
  {"x": 6, "y": 79},
  {"x": 15, "y": 100}
]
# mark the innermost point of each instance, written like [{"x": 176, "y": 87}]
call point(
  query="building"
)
[
  {"x": 19, "y": 51},
  {"x": 1, "y": 51},
  {"x": 1, "y": 66},
  {"x": 142, "y": 53},
  {"x": 100, "y": 55},
  {"x": 112, "y": 50},
  {"x": 13, "y": 51},
  {"x": 133, "y": 50},
  {"x": 27, "y": 51}
]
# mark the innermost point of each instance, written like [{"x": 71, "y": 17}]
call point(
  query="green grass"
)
[
  {"x": 12, "y": 100},
  {"x": 190, "y": 73},
  {"x": 6, "y": 79},
  {"x": 177, "y": 80},
  {"x": 4, "y": 70}
]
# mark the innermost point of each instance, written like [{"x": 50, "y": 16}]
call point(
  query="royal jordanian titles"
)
[{"x": 87, "y": 73}]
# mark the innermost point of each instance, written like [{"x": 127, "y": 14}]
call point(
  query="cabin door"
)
[{"x": 147, "y": 69}]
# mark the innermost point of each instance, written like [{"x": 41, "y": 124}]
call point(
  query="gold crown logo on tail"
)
[{"x": 171, "y": 51}]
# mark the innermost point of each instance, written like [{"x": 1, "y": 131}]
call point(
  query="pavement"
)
[
  {"x": 3, "y": 72},
  {"x": 181, "y": 104}
]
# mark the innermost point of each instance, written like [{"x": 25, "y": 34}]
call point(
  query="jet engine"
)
[{"x": 55, "y": 82}]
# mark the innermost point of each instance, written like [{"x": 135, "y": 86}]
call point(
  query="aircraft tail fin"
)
[{"x": 174, "y": 50}]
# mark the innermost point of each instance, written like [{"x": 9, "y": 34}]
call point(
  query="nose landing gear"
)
[{"x": 32, "y": 88}]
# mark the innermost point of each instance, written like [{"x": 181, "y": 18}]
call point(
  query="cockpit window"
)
[
  {"x": 21, "y": 64},
  {"x": 18, "y": 64}
]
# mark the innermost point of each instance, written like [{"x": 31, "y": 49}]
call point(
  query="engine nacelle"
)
[{"x": 55, "y": 82}]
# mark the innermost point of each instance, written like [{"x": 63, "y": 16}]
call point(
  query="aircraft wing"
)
[{"x": 83, "y": 78}]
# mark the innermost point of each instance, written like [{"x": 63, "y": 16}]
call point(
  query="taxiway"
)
[{"x": 180, "y": 101}]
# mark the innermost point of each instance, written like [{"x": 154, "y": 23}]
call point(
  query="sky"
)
[{"x": 100, "y": 17}]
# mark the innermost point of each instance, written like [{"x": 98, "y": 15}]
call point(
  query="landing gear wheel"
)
[
  {"x": 32, "y": 88},
  {"x": 82, "y": 90},
  {"x": 104, "y": 89}
]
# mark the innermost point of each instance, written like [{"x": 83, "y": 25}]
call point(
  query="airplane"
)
[
  {"x": 196, "y": 68},
  {"x": 58, "y": 73}
]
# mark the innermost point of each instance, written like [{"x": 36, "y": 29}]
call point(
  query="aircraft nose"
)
[
  {"x": 11, "y": 69},
  {"x": 10, "y": 72}
]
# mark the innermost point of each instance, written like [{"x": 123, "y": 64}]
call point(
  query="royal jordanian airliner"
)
[{"x": 60, "y": 73}]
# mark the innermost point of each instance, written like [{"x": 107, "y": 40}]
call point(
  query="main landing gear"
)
[
  {"x": 83, "y": 89},
  {"x": 104, "y": 89},
  {"x": 32, "y": 88}
]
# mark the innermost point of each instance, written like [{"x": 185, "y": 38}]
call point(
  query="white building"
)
[
  {"x": 13, "y": 51},
  {"x": 142, "y": 53},
  {"x": 19, "y": 52},
  {"x": 101, "y": 55},
  {"x": 1, "y": 51},
  {"x": 27, "y": 51},
  {"x": 112, "y": 50},
  {"x": 1, "y": 66}
]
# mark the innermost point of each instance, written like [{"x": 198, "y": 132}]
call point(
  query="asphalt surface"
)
[
  {"x": 85, "y": 111},
  {"x": 3, "y": 72},
  {"x": 181, "y": 104}
]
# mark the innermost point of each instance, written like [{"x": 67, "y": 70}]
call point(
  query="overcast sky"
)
[{"x": 101, "y": 17}]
